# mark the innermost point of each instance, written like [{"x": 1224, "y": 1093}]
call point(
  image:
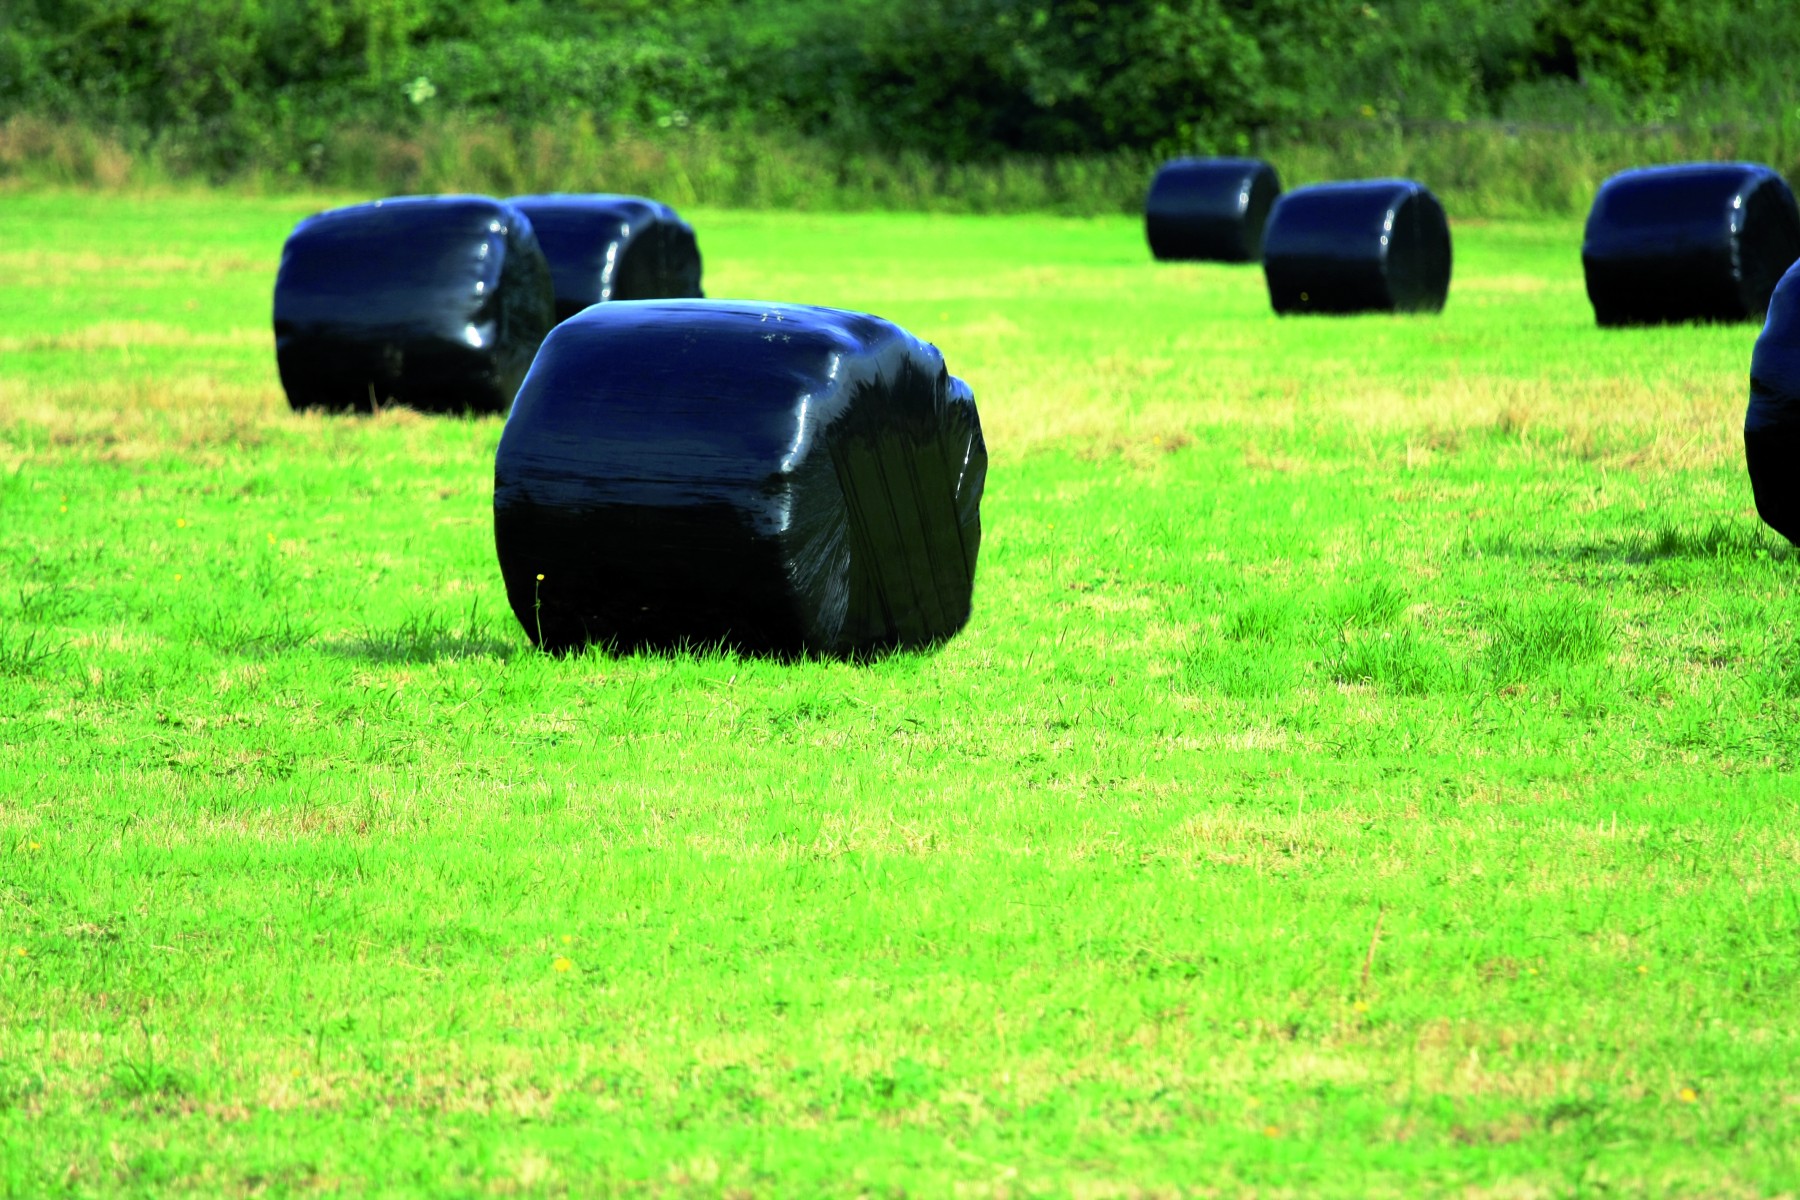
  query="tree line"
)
[{"x": 232, "y": 82}]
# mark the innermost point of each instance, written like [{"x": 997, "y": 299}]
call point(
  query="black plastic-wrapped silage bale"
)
[
  {"x": 1373, "y": 245},
  {"x": 1691, "y": 242},
  {"x": 782, "y": 479},
  {"x": 434, "y": 302},
  {"x": 1772, "y": 426},
  {"x": 1211, "y": 209},
  {"x": 604, "y": 247}
]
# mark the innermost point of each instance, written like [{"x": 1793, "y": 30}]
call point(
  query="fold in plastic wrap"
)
[
  {"x": 783, "y": 479},
  {"x": 1374, "y": 245},
  {"x": 604, "y": 247},
  {"x": 1211, "y": 209},
  {"x": 1772, "y": 425},
  {"x": 434, "y": 302},
  {"x": 1692, "y": 242}
]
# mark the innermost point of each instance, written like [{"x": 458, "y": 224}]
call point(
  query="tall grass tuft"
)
[
  {"x": 1394, "y": 660},
  {"x": 426, "y": 637},
  {"x": 28, "y": 653},
  {"x": 1536, "y": 638}
]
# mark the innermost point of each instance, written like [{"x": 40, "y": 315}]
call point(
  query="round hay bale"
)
[
  {"x": 783, "y": 479},
  {"x": 604, "y": 247},
  {"x": 1210, "y": 209},
  {"x": 1772, "y": 425},
  {"x": 434, "y": 302},
  {"x": 1373, "y": 245},
  {"x": 1690, "y": 242}
]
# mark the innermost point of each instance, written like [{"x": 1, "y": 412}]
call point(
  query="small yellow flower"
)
[
  {"x": 65, "y": 508},
  {"x": 567, "y": 938},
  {"x": 181, "y": 522},
  {"x": 1271, "y": 1131},
  {"x": 1361, "y": 1006},
  {"x": 540, "y": 577},
  {"x": 1687, "y": 1095},
  {"x": 1531, "y": 970},
  {"x": 271, "y": 539},
  {"x": 1643, "y": 969},
  {"x": 562, "y": 964},
  {"x": 19, "y": 951},
  {"x": 34, "y": 845},
  {"x": 178, "y": 577}
]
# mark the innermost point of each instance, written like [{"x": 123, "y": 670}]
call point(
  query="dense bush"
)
[{"x": 227, "y": 85}]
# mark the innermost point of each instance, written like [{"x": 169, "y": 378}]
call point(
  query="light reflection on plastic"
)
[
  {"x": 472, "y": 336},
  {"x": 609, "y": 271},
  {"x": 798, "y": 449}
]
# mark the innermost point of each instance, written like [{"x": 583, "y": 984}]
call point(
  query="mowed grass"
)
[{"x": 1368, "y": 770}]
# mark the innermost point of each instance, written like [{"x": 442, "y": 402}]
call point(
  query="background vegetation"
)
[{"x": 943, "y": 103}]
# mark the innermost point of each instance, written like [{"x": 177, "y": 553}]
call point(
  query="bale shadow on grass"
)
[
  {"x": 704, "y": 649},
  {"x": 1710, "y": 541},
  {"x": 428, "y": 638},
  {"x": 433, "y": 636},
  {"x": 252, "y": 634}
]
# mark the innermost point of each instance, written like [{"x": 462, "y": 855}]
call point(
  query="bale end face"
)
[
  {"x": 1210, "y": 209},
  {"x": 1772, "y": 423},
  {"x": 1366, "y": 246},
  {"x": 437, "y": 303},
  {"x": 1688, "y": 242},
  {"x": 781, "y": 479}
]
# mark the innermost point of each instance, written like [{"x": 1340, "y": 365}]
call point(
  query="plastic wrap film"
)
[
  {"x": 1211, "y": 209},
  {"x": 1692, "y": 242},
  {"x": 434, "y": 302},
  {"x": 604, "y": 247},
  {"x": 783, "y": 479},
  {"x": 1772, "y": 426},
  {"x": 1375, "y": 245}
]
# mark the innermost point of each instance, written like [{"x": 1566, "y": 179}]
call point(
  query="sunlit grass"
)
[{"x": 1368, "y": 769}]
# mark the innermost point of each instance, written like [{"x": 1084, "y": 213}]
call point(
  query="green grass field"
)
[{"x": 1368, "y": 770}]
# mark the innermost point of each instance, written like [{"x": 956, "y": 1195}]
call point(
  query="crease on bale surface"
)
[
  {"x": 1688, "y": 242},
  {"x": 605, "y": 247},
  {"x": 782, "y": 479},
  {"x": 1373, "y": 245},
  {"x": 434, "y": 302},
  {"x": 1210, "y": 209},
  {"x": 1772, "y": 424}
]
